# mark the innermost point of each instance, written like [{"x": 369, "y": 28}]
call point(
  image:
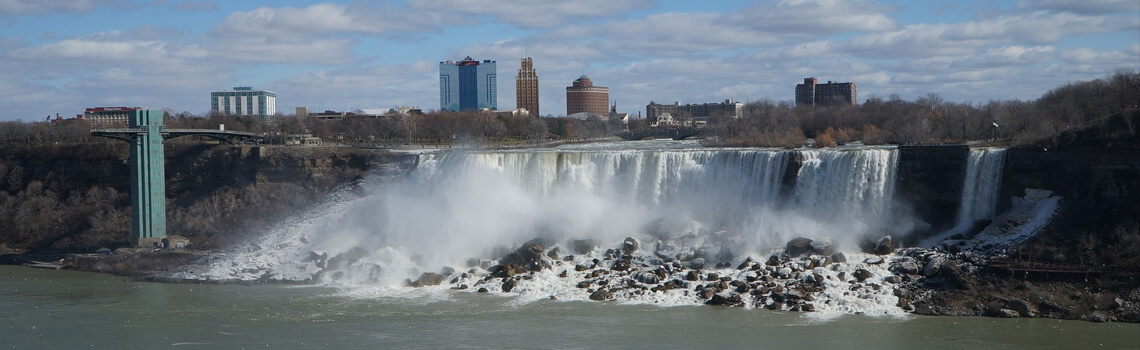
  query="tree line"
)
[{"x": 931, "y": 119}]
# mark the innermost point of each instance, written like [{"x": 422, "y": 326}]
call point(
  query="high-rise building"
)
[
  {"x": 244, "y": 101},
  {"x": 728, "y": 108},
  {"x": 526, "y": 87},
  {"x": 468, "y": 85},
  {"x": 583, "y": 96},
  {"x": 812, "y": 93}
]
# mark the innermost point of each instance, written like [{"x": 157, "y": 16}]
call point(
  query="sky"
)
[{"x": 61, "y": 56}]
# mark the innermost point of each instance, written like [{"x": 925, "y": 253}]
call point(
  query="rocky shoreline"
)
[{"x": 806, "y": 276}]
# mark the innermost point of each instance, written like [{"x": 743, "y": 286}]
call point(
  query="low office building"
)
[
  {"x": 728, "y": 108},
  {"x": 108, "y": 117}
]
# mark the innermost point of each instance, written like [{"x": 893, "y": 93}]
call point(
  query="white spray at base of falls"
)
[
  {"x": 460, "y": 205},
  {"x": 980, "y": 189}
]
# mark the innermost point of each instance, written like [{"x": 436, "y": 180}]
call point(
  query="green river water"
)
[{"x": 45, "y": 309}]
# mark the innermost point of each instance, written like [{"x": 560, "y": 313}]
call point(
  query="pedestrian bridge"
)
[{"x": 132, "y": 134}]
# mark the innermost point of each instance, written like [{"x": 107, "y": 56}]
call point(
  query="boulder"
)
[
  {"x": 933, "y": 266},
  {"x": 623, "y": 263},
  {"x": 747, "y": 262},
  {"x": 822, "y": 246},
  {"x": 646, "y": 277},
  {"x": 883, "y": 246},
  {"x": 798, "y": 246},
  {"x": 553, "y": 253},
  {"x": 697, "y": 264},
  {"x": 601, "y": 295},
  {"x": 506, "y": 270},
  {"x": 906, "y": 266},
  {"x": 692, "y": 275},
  {"x": 1023, "y": 308},
  {"x": 838, "y": 257},
  {"x": 629, "y": 245},
  {"x": 508, "y": 285},
  {"x": 528, "y": 257},
  {"x": 862, "y": 274},
  {"x": 1098, "y": 317},
  {"x": 482, "y": 290},
  {"x": 583, "y": 246},
  {"x": 717, "y": 299},
  {"x": 875, "y": 260},
  {"x": 428, "y": 279}
]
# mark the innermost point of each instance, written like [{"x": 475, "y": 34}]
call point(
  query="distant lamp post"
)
[{"x": 995, "y": 130}]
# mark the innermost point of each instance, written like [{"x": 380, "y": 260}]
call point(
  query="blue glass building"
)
[{"x": 468, "y": 85}]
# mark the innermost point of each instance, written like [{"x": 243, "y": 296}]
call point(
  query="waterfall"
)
[
  {"x": 980, "y": 189},
  {"x": 848, "y": 185},
  {"x": 460, "y": 205}
]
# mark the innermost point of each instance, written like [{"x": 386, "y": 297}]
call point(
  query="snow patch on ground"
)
[{"x": 1023, "y": 221}]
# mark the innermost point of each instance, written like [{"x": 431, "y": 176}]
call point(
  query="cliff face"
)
[
  {"x": 1086, "y": 172},
  {"x": 1098, "y": 223},
  {"x": 929, "y": 181},
  {"x": 71, "y": 197}
]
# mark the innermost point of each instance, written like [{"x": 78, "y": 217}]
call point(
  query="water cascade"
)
[
  {"x": 460, "y": 205},
  {"x": 979, "y": 191}
]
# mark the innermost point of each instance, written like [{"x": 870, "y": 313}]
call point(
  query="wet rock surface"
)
[{"x": 818, "y": 279}]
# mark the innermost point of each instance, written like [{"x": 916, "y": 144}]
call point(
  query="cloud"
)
[
  {"x": 1037, "y": 28},
  {"x": 815, "y": 17},
  {"x": 533, "y": 13},
  {"x": 1006, "y": 56},
  {"x": 317, "y": 34},
  {"x": 414, "y": 84},
  {"x": 41, "y": 7},
  {"x": 1084, "y": 7},
  {"x": 271, "y": 50},
  {"x": 321, "y": 19},
  {"x": 1088, "y": 56},
  {"x": 924, "y": 40},
  {"x": 195, "y": 6}
]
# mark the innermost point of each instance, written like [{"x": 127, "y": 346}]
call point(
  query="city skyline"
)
[{"x": 62, "y": 57}]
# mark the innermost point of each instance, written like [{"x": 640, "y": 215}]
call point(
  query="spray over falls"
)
[
  {"x": 461, "y": 205},
  {"x": 642, "y": 225}
]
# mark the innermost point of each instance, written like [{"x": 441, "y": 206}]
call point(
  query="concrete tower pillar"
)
[{"x": 148, "y": 176}]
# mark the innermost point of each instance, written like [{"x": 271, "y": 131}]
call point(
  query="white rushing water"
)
[
  {"x": 720, "y": 203},
  {"x": 980, "y": 189}
]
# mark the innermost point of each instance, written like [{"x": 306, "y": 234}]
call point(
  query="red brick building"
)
[{"x": 583, "y": 96}]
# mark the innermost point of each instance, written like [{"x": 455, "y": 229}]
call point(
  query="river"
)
[{"x": 45, "y": 309}]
